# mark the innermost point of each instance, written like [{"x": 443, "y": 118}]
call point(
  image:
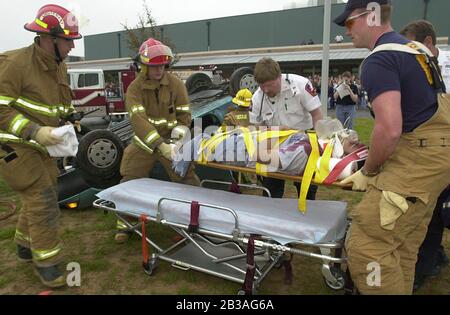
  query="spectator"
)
[{"x": 346, "y": 97}]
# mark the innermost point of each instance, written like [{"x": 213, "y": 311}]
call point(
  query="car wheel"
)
[
  {"x": 197, "y": 82},
  {"x": 99, "y": 156},
  {"x": 242, "y": 78}
]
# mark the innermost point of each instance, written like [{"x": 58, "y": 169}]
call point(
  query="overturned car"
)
[{"x": 102, "y": 140}]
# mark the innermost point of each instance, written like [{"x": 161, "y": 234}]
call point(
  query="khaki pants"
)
[
  {"x": 137, "y": 163},
  {"x": 33, "y": 176},
  {"x": 395, "y": 252}
]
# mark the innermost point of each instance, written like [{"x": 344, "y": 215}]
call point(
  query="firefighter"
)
[
  {"x": 34, "y": 98},
  {"x": 240, "y": 115},
  {"x": 158, "y": 106}
]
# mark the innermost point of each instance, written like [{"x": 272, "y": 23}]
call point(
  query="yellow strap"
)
[
  {"x": 309, "y": 171},
  {"x": 423, "y": 63},
  {"x": 200, "y": 158},
  {"x": 324, "y": 169},
  {"x": 270, "y": 134},
  {"x": 210, "y": 145},
  {"x": 261, "y": 169}
]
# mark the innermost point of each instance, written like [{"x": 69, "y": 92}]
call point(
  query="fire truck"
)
[{"x": 101, "y": 85}]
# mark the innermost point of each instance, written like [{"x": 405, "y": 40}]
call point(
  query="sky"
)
[{"x": 109, "y": 15}]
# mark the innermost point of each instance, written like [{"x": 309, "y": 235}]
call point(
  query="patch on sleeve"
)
[{"x": 309, "y": 88}]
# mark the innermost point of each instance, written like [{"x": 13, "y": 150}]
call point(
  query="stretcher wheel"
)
[
  {"x": 339, "y": 279},
  {"x": 150, "y": 266},
  {"x": 255, "y": 289}
]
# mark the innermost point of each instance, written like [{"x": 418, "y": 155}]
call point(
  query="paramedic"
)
[{"x": 287, "y": 101}]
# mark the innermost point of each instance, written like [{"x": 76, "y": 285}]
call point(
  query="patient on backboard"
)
[{"x": 276, "y": 150}]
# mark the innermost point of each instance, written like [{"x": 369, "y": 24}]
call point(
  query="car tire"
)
[
  {"x": 197, "y": 82},
  {"x": 99, "y": 155},
  {"x": 242, "y": 78}
]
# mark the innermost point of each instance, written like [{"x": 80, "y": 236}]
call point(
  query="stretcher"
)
[
  {"x": 232, "y": 236},
  {"x": 277, "y": 175}
]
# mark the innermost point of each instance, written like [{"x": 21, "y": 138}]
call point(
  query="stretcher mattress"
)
[{"x": 279, "y": 219}]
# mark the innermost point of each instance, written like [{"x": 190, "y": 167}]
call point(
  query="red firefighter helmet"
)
[
  {"x": 155, "y": 53},
  {"x": 56, "y": 21}
]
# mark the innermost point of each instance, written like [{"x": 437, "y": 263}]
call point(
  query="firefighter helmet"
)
[
  {"x": 243, "y": 98},
  {"x": 56, "y": 21},
  {"x": 155, "y": 53}
]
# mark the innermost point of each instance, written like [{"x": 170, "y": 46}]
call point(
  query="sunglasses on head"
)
[{"x": 352, "y": 19}]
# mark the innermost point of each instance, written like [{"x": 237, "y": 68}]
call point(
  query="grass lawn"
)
[{"x": 108, "y": 268}]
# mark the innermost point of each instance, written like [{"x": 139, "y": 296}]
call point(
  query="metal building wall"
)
[{"x": 269, "y": 29}]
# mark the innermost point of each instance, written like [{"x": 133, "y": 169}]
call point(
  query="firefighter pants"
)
[
  {"x": 137, "y": 163},
  {"x": 33, "y": 176},
  {"x": 383, "y": 261}
]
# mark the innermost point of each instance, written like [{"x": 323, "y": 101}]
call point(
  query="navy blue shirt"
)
[{"x": 399, "y": 71}]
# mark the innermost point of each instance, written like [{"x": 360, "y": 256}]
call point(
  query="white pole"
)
[{"x": 325, "y": 55}]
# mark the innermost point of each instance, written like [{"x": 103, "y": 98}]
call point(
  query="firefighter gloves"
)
[{"x": 45, "y": 137}]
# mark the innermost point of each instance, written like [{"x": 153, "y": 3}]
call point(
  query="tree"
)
[{"x": 145, "y": 28}]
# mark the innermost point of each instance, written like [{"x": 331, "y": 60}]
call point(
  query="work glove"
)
[
  {"x": 166, "y": 150},
  {"x": 45, "y": 137},
  {"x": 359, "y": 181},
  {"x": 392, "y": 206}
]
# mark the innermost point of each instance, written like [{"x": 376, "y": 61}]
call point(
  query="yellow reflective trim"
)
[
  {"x": 183, "y": 108},
  {"x": 309, "y": 171},
  {"x": 151, "y": 137},
  {"x": 145, "y": 59},
  {"x": 41, "y": 23},
  {"x": 172, "y": 124},
  {"x": 141, "y": 144},
  {"x": 158, "y": 122},
  {"x": 45, "y": 254},
  {"x": 17, "y": 125},
  {"x": 137, "y": 109},
  {"x": 6, "y": 137},
  {"x": 5, "y": 100},
  {"x": 20, "y": 236},
  {"x": 44, "y": 109}
]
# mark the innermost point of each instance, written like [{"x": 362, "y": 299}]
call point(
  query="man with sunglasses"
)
[
  {"x": 407, "y": 165},
  {"x": 34, "y": 99}
]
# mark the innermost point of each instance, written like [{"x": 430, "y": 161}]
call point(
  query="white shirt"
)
[
  {"x": 290, "y": 108},
  {"x": 444, "y": 63}
]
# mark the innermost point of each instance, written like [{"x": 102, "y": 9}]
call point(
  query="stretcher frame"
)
[
  {"x": 276, "y": 175},
  {"x": 224, "y": 255}
]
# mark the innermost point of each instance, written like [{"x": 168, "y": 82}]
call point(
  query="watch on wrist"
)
[{"x": 371, "y": 174}]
